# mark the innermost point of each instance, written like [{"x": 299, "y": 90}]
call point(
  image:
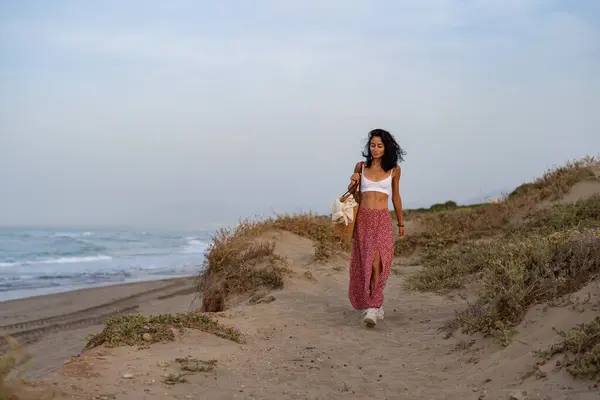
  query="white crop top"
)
[{"x": 383, "y": 186}]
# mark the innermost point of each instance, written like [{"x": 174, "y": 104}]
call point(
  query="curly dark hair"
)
[{"x": 393, "y": 153}]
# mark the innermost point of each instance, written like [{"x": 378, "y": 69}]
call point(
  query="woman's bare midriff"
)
[{"x": 374, "y": 200}]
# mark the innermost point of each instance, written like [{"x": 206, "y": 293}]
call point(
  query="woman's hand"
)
[
  {"x": 354, "y": 179},
  {"x": 400, "y": 231}
]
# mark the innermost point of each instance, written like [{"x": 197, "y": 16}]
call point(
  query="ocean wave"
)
[
  {"x": 62, "y": 279},
  {"x": 60, "y": 260},
  {"x": 72, "y": 234},
  {"x": 84, "y": 279},
  {"x": 194, "y": 246}
]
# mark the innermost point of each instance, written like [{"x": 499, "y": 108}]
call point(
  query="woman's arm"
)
[
  {"x": 396, "y": 199},
  {"x": 357, "y": 169}
]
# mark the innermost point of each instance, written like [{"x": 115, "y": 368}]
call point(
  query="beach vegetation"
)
[
  {"x": 580, "y": 347},
  {"x": 141, "y": 330},
  {"x": 243, "y": 260},
  {"x": 525, "y": 250},
  {"x": 11, "y": 386}
]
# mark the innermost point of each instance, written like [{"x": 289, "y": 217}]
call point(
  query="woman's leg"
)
[
  {"x": 381, "y": 263},
  {"x": 376, "y": 271},
  {"x": 358, "y": 293}
]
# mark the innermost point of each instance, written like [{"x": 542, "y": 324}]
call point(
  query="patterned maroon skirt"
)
[{"x": 373, "y": 231}]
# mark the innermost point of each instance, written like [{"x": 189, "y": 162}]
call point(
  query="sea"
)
[{"x": 43, "y": 260}]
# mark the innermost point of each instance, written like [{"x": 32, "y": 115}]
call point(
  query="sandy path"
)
[{"x": 308, "y": 344}]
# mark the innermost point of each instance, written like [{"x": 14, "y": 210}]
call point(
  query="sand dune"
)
[{"x": 307, "y": 343}]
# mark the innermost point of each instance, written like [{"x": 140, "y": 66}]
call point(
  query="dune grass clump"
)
[
  {"x": 314, "y": 227},
  {"x": 138, "y": 329},
  {"x": 581, "y": 348},
  {"x": 319, "y": 229},
  {"x": 9, "y": 362},
  {"x": 228, "y": 243},
  {"x": 558, "y": 181},
  {"x": 523, "y": 272},
  {"x": 239, "y": 261},
  {"x": 245, "y": 264}
]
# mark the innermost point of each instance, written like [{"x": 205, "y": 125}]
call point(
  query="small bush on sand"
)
[
  {"x": 581, "y": 348},
  {"x": 449, "y": 205},
  {"x": 138, "y": 329},
  {"x": 523, "y": 272}
]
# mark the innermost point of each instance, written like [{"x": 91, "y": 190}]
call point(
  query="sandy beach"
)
[{"x": 306, "y": 344}]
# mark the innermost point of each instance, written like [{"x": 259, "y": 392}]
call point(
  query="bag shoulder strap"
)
[
  {"x": 357, "y": 170},
  {"x": 360, "y": 172}
]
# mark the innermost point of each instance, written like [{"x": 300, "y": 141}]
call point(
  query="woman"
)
[{"x": 373, "y": 182}]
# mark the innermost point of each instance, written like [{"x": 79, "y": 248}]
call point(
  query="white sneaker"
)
[
  {"x": 380, "y": 313},
  {"x": 371, "y": 316}
]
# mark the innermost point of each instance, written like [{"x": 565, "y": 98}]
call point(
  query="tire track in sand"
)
[
  {"x": 29, "y": 332},
  {"x": 30, "y": 336}
]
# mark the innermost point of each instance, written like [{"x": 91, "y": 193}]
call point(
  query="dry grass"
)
[
  {"x": 310, "y": 226},
  {"x": 452, "y": 226},
  {"x": 556, "y": 182},
  {"x": 447, "y": 267},
  {"x": 585, "y": 213},
  {"x": 519, "y": 253},
  {"x": 523, "y": 272},
  {"x": 137, "y": 329},
  {"x": 581, "y": 349},
  {"x": 189, "y": 366},
  {"x": 15, "y": 389},
  {"x": 8, "y": 362},
  {"x": 237, "y": 263},
  {"x": 240, "y": 262}
]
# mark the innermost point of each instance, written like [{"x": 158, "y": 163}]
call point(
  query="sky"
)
[{"x": 183, "y": 113}]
